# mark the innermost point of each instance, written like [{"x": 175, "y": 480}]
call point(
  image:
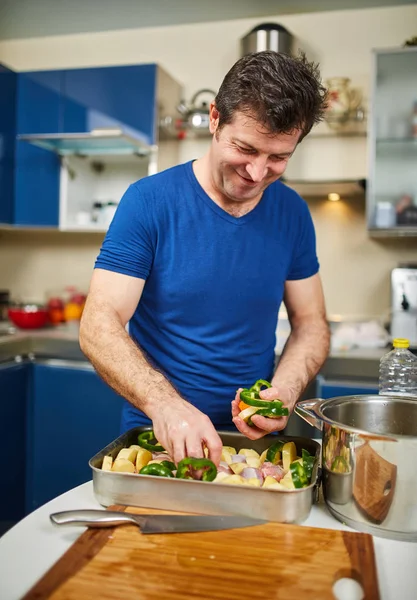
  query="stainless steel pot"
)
[{"x": 369, "y": 461}]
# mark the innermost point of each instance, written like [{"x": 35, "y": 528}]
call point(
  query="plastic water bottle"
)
[{"x": 398, "y": 371}]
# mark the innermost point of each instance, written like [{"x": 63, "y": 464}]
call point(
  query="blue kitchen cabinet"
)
[
  {"x": 123, "y": 96},
  {"x": 37, "y": 171},
  {"x": 8, "y": 86},
  {"x": 327, "y": 388},
  {"x": 72, "y": 414},
  {"x": 13, "y": 385}
]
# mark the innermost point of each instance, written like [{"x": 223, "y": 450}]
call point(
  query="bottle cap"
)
[{"x": 401, "y": 343}]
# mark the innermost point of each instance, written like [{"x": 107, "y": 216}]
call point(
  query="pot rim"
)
[{"x": 315, "y": 408}]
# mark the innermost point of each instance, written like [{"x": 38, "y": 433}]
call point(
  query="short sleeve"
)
[
  {"x": 304, "y": 261},
  {"x": 127, "y": 247}
]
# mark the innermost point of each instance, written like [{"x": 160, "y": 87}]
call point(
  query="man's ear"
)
[{"x": 214, "y": 118}]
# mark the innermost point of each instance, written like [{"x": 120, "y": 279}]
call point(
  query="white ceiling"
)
[{"x": 34, "y": 18}]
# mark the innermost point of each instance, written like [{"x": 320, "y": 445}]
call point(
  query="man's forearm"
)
[
  {"x": 304, "y": 353},
  {"x": 123, "y": 365}
]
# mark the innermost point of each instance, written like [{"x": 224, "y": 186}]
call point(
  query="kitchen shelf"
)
[
  {"x": 99, "y": 142},
  {"x": 393, "y": 232},
  {"x": 320, "y": 188}
]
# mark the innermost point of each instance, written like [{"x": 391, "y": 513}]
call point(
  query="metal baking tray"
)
[{"x": 128, "y": 489}]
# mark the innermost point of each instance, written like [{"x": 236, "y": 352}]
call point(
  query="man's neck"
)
[{"x": 203, "y": 173}]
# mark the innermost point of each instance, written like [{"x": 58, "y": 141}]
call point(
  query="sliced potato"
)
[
  {"x": 142, "y": 459},
  {"x": 277, "y": 486},
  {"x": 254, "y": 481},
  {"x": 253, "y": 462},
  {"x": 128, "y": 453},
  {"x": 246, "y": 414},
  {"x": 135, "y": 447},
  {"x": 237, "y": 468},
  {"x": 234, "y": 480},
  {"x": 263, "y": 456},
  {"x": 226, "y": 456},
  {"x": 249, "y": 452},
  {"x": 220, "y": 476},
  {"x": 289, "y": 455},
  {"x": 107, "y": 463},
  {"x": 268, "y": 481},
  {"x": 287, "y": 481},
  {"x": 123, "y": 465},
  {"x": 230, "y": 449}
]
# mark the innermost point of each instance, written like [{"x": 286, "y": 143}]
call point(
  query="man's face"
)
[{"x": 246, "y": 157}]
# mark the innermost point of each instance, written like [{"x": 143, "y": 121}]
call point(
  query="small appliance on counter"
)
[{"x": 404, "y": 303}]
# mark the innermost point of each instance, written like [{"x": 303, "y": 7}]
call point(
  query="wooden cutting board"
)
[{"x": 271, "y": 561}]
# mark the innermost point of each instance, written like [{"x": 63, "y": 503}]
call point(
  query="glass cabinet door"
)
[{"x": 392, "y": 188}]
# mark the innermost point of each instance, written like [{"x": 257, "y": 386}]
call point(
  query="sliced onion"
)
[
  {"x": 224, "y": 468},
  {"x": 251, "y": 472},
  {"x": 238, "y": 458}
]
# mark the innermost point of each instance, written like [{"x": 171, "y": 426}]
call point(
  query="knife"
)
[{"x": 153, "y": 523}]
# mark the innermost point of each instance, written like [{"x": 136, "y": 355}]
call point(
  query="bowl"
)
[{"x": 28, "y": 316}]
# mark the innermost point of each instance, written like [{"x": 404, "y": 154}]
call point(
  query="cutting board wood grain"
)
[{"x": 271, "y": 561}]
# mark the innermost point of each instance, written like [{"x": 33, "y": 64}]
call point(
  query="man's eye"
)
[
  {"x": 279, "y": 158},
  {"x": 246, "y": 150}
]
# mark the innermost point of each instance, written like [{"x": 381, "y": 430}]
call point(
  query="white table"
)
[{"x": 30, "y": 548}]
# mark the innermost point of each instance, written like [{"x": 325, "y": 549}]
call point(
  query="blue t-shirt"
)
[{"x": 214, "y": 283}]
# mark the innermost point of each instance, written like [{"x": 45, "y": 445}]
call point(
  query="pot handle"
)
[{"x": 307, "y": 409}]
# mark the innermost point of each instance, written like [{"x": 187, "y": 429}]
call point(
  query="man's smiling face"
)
[{"x": 246, "y": 158}]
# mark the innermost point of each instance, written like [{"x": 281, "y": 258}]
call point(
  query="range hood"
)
[
  {"x": 349, "y": 188},
  {"x": 98, "y": 142}
]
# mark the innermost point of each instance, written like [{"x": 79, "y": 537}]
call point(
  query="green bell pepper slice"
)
[
  {"x": 299, "y": 475},
  {"x": 258, "y": 385},
  {"x": 253, "y": 399},
  {"x": 308, "y": 463},
  {"x": 147, "y": 440},
  {"x": 157, "y": 469},
  {"x": 274, "y": 452},
  {"x": 168, "y": 464},
  {"x": 188, "y": 465}
]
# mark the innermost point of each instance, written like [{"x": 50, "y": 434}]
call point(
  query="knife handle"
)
[{"x": 92, "y": 518}]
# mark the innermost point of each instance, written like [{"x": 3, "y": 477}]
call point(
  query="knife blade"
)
[{"x": 153, "y": 523}]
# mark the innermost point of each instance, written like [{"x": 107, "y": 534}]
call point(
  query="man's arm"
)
[
  {"x": 304, "y": 353},
  {"x": 178, "y": 426},
  {"x": 308, "y": 344}
]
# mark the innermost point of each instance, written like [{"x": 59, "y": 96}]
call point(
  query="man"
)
[{"x": 198, "y": 260}]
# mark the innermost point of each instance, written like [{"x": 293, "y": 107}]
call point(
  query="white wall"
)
[{"x": 355, "y": 269}]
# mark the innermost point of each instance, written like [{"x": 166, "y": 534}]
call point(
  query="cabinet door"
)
[
  {"x": 111, "y": 96},
  {"x": 13, "y": 385},
  {"x": 8, "y": 83},
  {"x": 72, "y": 415},
  {"x": 334, "y": 389},
  {"x": 39, "y": 110}
]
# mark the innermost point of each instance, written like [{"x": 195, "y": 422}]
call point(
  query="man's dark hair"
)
[{"x": 282, "y": 92}]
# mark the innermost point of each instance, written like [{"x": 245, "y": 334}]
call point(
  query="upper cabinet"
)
[
  {"x": 72, "y": 134},
  {"x": 39, "y": 109},
  {"x": 8, "y": 85},
  {"x": 392, "y": 189}
]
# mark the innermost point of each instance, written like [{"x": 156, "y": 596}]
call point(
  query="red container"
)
[{"x": 28, "y": 316}]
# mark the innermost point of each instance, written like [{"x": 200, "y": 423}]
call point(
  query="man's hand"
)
[
  {"x": 183, "y": 431},
  {"x": 264, "y": 425}
]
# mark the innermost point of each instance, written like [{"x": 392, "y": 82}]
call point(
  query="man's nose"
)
[{"x": 257, "y": 168}]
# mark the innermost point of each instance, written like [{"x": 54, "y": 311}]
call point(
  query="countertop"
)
[
  {"x": 62, "y": 343},
  {"x": 30, "y": 548}
]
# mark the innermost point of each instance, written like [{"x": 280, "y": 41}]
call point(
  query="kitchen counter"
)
[
  {"x": 30, "y": 548},
  {"x": 62, "y": 343}
]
